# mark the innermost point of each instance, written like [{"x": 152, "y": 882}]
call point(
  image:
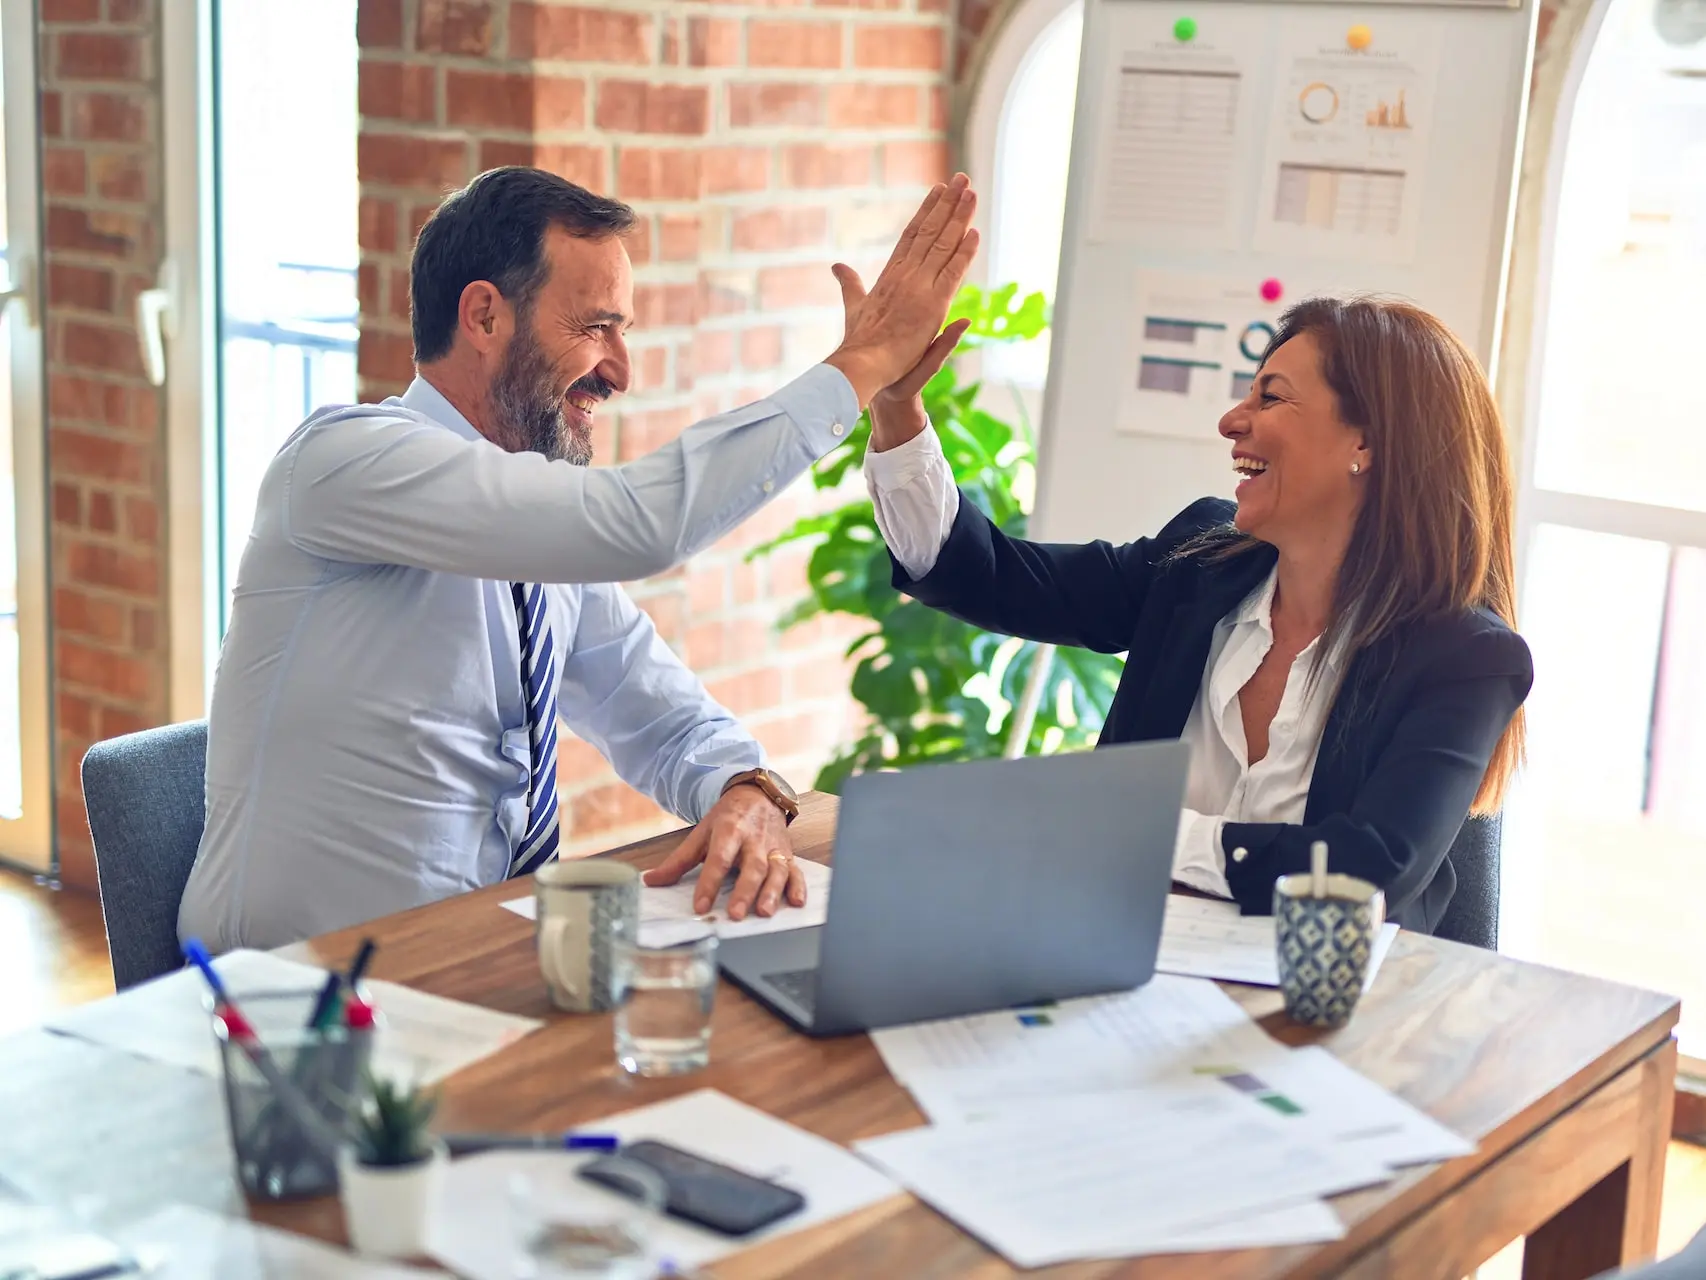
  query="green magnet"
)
[{"x": 1185, "y": 30}]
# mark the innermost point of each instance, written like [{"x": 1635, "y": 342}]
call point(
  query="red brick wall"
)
[
  {"x": 758, "y": 144},
  {"x": 101, "y": 166},
  {"x": 758, "y": 141}
]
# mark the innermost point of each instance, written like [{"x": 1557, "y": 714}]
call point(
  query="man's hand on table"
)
[{"x": 744, "y": 829}]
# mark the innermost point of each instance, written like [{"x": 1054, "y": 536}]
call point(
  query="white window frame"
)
[
  {"x": 1537, "y": 505},
  {"x": 28, "y": 841},
  {"x": 1006, "y": 58},
  {"x": 1007, "y": 53},
  {"x": 188, "y": 283}
]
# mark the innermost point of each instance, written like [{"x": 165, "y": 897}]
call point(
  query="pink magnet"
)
[{"x": 1271, "y": 290}]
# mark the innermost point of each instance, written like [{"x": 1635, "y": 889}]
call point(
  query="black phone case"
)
[{"x": 701, "y": 1191}]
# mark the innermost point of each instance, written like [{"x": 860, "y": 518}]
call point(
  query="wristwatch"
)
[{"x": 774, "y": 786}]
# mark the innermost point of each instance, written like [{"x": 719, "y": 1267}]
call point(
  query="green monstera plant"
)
[{"x": 936, "y": 688}]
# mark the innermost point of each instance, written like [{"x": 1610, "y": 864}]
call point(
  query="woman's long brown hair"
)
[{"x": 1434, "y": 536}]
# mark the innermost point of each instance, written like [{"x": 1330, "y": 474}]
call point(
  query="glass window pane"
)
[
  {"x": 1033, "y": 145},
  {"x": 1606, "y": 843},
  {"x": 287, "y": 254},
  {"x": 1628, "y": 271}
]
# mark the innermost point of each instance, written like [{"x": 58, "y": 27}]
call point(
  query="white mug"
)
[{"x": 584, "y": 910}]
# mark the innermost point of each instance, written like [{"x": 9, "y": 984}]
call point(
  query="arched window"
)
[
  {"x": 1020, "y": 134},
  {"x": 1612, "y": 523}
]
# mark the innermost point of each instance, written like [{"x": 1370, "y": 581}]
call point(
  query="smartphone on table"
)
[{"x": 700, "y": 1191}]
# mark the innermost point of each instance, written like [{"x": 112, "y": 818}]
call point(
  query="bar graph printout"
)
[{"x": 1348, "y": 138}]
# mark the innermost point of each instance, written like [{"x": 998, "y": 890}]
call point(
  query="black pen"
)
[{"x": 363, "y": 956}]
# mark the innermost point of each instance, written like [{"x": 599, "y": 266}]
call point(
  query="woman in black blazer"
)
[{"x": 1353, "y": 611}]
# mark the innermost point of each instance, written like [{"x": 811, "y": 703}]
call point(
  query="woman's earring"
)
[{"x": 1356, "y": 468}]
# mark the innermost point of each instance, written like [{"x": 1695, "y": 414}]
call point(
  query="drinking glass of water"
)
[
  {"x": 666, "y": 978},
  {"x": 566, "y": 1228}
]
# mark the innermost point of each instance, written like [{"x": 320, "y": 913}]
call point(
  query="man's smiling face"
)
[{"x": 569, "y": 352}]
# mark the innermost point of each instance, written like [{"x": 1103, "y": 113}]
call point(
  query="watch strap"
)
[{"x": 764, "y": 780}]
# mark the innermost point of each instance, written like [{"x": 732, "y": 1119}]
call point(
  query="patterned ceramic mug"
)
[
  {"x": 584, "y": 910},
  {"x": 1325, "y": 945}
]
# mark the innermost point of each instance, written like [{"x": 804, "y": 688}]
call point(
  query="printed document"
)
[{"x": 421, "y": 1037}]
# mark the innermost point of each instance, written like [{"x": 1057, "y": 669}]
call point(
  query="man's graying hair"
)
[{"x": 494, "y": 229}]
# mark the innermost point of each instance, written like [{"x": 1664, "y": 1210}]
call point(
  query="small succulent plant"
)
[{"x": 392, "y": 1127}]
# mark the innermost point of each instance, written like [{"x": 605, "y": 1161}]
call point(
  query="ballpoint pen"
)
[
  {"x": 357, "y": 1012},
  {"x": 358, "y": 966},
  {"x": 242, "y": 1034},
  {"x": 327, "y": 1002},
  {"x": 467, "y": 1144}
]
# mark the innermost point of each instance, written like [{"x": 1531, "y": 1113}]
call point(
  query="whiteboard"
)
[{"x": 1230, "y": 159}]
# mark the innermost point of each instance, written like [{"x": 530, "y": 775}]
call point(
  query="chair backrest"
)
[
  {"x": 1472, "y": 915},
  {"x": 146, "y": 794}
]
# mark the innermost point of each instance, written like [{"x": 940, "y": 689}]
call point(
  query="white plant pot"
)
[{"x": 388, "y": 1210}]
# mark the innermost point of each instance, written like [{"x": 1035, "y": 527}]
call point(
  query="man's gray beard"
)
[{"x": 527, "y": 403}]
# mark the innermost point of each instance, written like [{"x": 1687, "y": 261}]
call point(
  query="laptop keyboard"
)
[{"x": 799, "y": 985}]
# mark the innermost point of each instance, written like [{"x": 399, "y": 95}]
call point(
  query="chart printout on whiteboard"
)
[
  {"x": 1198, "y": 340},
  {"x": 1173, "y": 141},
  {"x": 1348, "y": 138}
]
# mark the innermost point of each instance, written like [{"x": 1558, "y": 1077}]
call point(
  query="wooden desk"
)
[{"x": 1565, "y": 1082}]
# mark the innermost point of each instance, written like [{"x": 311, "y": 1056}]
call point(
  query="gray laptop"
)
[{"x": 962, "y": 888}]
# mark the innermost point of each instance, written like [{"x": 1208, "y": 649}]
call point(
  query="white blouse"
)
[{"x": 913, "y": 491}]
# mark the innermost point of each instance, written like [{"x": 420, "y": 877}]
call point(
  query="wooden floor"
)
[{"x": 53, "y": 953}]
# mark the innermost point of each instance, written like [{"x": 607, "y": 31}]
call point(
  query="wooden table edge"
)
[{"x": 1414, "y": 1201}]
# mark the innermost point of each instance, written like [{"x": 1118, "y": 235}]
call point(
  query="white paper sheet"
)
[
  {"x": 1336, "y": 1103},
  {"x": 964, "y": 1069},
  {"x": 37, "y": 1237},
  {"x": 1198, "y": 339},
  {"x": 1348, "y": 138},
  {"x": 1313, "y": 1094},
  {"x": 421, "y": 1037},
  {"x": 1116, "y": 1175},
  {"x": 184, "y": 1243},
  {"x": 475, "y": 1235},
  {"x": 1167, "y": 1025},
  {"x": 1310, "y": 1223},
  {"x": 1173, "y": 136},
  {"x": 1208, "y": 939},
  {"x": 675, "y": 903}
]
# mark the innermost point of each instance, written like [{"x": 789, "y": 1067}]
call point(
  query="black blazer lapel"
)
[{"x": 1183, "y": 652}]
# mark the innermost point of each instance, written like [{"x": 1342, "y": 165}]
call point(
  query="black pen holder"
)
[{"x": 280, "y": 1154}]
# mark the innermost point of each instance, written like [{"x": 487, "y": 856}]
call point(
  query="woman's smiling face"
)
[{"x": 1302, "y": 465}]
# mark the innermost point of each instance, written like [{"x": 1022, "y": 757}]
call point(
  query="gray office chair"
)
[
  {"x": 146, "y": 795},
  {"x": 1472, "y": 915}
]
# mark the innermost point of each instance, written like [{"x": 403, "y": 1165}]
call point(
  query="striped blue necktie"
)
[{"x": 539, "y": 678}]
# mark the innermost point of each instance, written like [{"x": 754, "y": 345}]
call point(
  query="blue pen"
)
[
  {"x": 468, "y": 1144},
  {"x": 197, "y": 955}
]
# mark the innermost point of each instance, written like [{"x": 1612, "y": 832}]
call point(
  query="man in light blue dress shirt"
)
[{"x": 429, "y": 578}]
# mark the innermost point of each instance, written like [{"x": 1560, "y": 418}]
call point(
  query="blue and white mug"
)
[
  {"x": 585, "y": 910},
  {"x": 1325, "y": 944}
]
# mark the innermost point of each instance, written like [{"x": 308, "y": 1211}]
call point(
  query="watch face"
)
[{"x": 783, "y": 787}]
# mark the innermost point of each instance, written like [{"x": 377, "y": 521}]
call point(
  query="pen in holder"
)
[{"x": 290, "y": 1090}]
